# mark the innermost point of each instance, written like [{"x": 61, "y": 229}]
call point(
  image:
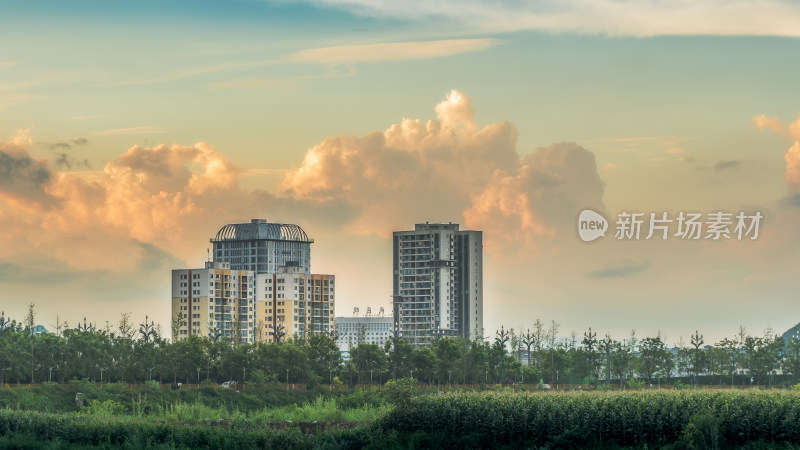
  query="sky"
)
[{"x": 131, "y": 132}]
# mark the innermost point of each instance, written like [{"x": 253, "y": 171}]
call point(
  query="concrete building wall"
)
[
  {"x": 214, "y": 298},
  {"x": 438, "y": 282}
]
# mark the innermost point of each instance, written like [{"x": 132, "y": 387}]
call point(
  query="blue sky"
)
[{"x": 288, "y": 96}]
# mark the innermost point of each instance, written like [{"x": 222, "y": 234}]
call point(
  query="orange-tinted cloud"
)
[
  {"x": 541, "y": 198},
  {"x": 160, "y": 196},
  {"x": 411, "y": 172},
  {"x": 763, "y": 121},
  {"x": 792, "y": 156}
]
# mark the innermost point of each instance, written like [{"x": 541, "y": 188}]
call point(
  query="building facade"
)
[
  {"x": 215, "y": 301},
  {"x": 296, "y": 303},
  {"x": 438, "y": 282},
  {"x": 262, "y": 247},
  {"x": 289, "y": 298},
  {"x": 351, "y": 331}
]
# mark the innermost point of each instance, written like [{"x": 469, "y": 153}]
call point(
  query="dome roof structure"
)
[{"x": 259, "y": 229}]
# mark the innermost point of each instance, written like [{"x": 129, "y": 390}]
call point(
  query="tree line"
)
[{"x": 137, "y": 353}]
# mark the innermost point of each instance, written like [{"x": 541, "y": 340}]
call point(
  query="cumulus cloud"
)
[
  {"x": 448, "y": 169},
  {"x": 22, "y": 177},
  {"x": 411, "y": 171},
  {"x": 146, "y": 199},
  {"x": 763, "y": 122},
  {"x": 541, "y": 197},
  {"x": 792, "y": 156}
]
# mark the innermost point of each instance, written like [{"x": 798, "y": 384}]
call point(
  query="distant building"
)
[
  {"x": 215, "y": 301},
  {"x": 352, "y": 331},
  {"x": 438, "y": 282},
  {"x": 299, "y": 302},
  {"x": 263, "y": 247}
]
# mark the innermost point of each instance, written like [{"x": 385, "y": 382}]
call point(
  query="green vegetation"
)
[
  {"x": 569, "y": 420},
  {"x": 532, "y": 356},
  {"x": 650, "y": 419}
]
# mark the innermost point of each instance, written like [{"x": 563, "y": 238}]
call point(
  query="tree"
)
[
  {"x": 654, "y": 359},
  {"x": 125, "y": 326},
  {"x": 606, "y": 348},
  {"x": 368, "y": 359},
  {"x": 621, "y": 359},
  {"x": 552, "y": 335},
  {"x": 323, "y": 355},
  {"x": 761, "y": 355},
  {"x": 447, "y": 352},
  {"x": 30, "y": 322},
  {"x": 176, "y": 324}
]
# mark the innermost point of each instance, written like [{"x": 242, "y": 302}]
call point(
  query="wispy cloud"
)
[
  {"x": 67, "y": 144},
  {"x": 391, "y": 51},
  {"x": 86, "y": 117},
  {"x": 130, "y": 130},
  {"x": 195, "y": 72},
  {"x": 620, "y": 269},
  {"x": 722, "y": 165},
  {"x": 605, "y": 17},
  {"x": 284, "y": 83}
]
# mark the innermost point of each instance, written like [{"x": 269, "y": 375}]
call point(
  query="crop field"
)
[{"x": 410, "y": 419}]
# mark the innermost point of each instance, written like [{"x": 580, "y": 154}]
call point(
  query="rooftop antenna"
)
[{"x": 208, "y": 252}]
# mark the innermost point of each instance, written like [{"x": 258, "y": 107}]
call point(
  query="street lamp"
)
[
  {"x": 395, "y": 337},
  {"x": 198, "y": 375},
  {"x": 697, "y": 341},
  {"x": 279, "y": 332},
  {"x": 147, "y": 330}
]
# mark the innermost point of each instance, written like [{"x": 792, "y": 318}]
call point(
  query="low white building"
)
[{"x": 354, "y": 330}]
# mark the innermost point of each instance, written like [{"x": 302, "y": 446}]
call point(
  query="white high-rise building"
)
[{"x": 438, "y": 282}]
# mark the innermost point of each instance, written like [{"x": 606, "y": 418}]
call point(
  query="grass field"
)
[{"x": 643, "y": 419}]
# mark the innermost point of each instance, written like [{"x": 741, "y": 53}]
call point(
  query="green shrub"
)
[
  {"x": 108, "y": 408},
  {"x": 636, "y": 384},
  {"x": 399, "y": 392}
]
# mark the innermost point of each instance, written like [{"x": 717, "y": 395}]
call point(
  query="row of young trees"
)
[{"x": 135, "y": 353}]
